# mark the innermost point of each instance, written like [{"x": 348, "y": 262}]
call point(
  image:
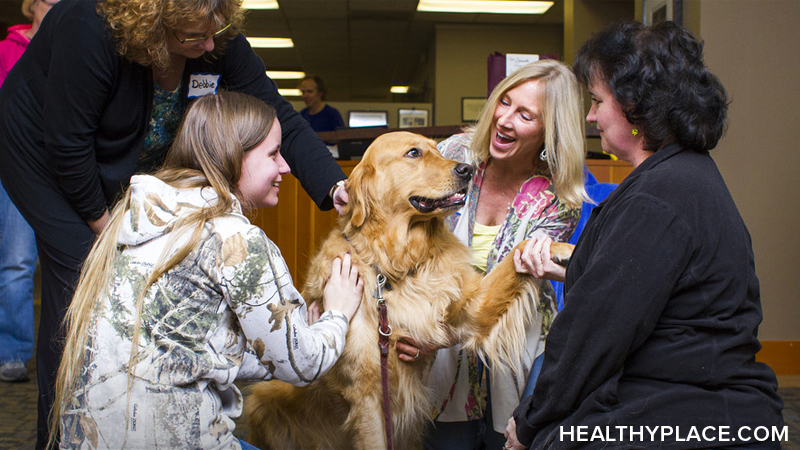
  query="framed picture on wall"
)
[
  {"x": 412, "y": 118},
  {"x": 657, "y": 11},
  {"x": 471, "y": 108}
]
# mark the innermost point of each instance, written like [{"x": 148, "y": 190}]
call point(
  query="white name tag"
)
[{"x": 201, "y": 84}]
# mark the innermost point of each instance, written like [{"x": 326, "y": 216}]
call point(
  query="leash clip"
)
[
  {"x": 384, "y": 323},
  {"x": 381, "y": 278}
]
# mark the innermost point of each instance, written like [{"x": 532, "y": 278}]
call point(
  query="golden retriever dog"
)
[{"x": 393, "y": 225}]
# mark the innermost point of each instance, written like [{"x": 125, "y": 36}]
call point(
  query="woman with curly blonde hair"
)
[{"x": 96, "y": 98}]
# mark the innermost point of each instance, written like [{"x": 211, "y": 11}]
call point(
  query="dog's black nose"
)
[{"x": 464, "y": 171}]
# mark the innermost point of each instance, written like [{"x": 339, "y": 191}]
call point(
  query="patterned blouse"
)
[
  {"x": 165, "y": 116},
  {"x": 226, "y": 312},
  {"x": 535, "y": 211}
]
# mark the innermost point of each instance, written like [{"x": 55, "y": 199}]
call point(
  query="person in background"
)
[
  {"x": 17, "y": 240},
  {"x": 181, "y": 295},
  {"x": 662, "y": 304},
  {"x": 96, "y": 98},
  {"x": 321, "y": 116},
  {"x": 528, "y": 146}
]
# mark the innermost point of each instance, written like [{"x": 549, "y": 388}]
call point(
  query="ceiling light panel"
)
[
  {"x": 290, "y": 92},
  {"x": 484, "y": 6},
  {"x": 260, "y": 4},
  {"x": 270, "y": 42},
  {"x": 285, "y": 75}
]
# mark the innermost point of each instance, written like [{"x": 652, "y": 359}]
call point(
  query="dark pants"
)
[
  {"x": 60, "y": 273},
  {"x": 63, "y": 239}
]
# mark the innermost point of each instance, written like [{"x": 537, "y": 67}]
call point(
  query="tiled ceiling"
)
[{"x": 359, "y": 47}]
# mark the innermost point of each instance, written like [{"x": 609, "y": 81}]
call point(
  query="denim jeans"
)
[
  {"x": 531, "y": 383},
  {"x": 247, "y": 446},
  {"x": 468, "y": 435},
  {"x": 17, "y": 266}
]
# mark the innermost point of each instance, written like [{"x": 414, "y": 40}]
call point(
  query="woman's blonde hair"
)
[
  {"x": 207, "y": 152},
  {"x": 141, "y": 28},
  {"x": 561, "y": 103}
]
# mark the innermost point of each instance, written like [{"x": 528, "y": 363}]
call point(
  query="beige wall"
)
[
  {"x": 754, "y": 48},
  {"x": 461, "y": 59},
  {"x": 584, "y": 17}
]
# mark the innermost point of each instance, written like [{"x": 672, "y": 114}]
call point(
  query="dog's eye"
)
[{"x": 414, "y": 153}]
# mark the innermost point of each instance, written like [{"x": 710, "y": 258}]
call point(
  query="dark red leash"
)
[{"x": 384, "y": 331}]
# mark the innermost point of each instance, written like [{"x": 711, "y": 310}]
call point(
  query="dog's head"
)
[{"x": 403, "y": 174}]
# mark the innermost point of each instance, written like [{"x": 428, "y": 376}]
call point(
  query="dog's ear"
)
[{"x": 360, "y": 189}]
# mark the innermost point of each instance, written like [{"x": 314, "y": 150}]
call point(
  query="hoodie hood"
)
[
  {"x": 12, "y": 48},
  {"x": 155, "y": 206}
]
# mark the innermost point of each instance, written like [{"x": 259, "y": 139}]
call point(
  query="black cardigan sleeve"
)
[
  {"x": 80, "y": 79},
  {"x": 306, "y": 154}
]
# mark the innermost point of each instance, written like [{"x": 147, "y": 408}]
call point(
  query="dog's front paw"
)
[{"x": 560, "y": 253}]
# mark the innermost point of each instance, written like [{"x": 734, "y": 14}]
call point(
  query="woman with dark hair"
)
[
  {"x": 656, "y": 344},
  {"x": 96, "y": 98}
]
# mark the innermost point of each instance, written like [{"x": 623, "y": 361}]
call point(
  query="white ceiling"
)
[{"x": 359, "y": 47}]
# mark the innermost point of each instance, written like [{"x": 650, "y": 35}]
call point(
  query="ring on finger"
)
[{"x": 417, "y": 355}]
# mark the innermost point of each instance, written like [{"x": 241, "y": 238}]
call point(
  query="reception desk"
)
[{"x": 297, "y": 226}]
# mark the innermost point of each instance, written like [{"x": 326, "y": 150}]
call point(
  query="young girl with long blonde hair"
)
[{"x": 181, "y": 295}]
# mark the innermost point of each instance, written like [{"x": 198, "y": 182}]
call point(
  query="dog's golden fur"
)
[{"x": 434, "y": 296}]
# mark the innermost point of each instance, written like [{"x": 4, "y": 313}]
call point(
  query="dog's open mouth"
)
[{"x": 426, "y": 205}]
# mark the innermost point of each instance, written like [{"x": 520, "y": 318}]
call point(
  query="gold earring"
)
[{"x": 635, "y": 131}]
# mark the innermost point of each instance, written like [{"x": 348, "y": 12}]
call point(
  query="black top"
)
[
  {"x": 74, "y": 113},
  {"x": 660, "y": 318}
]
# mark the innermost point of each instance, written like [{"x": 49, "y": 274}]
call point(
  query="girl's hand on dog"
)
[
  {"x": 344, "y": 287},
  {"x": 535, "y": 260}
]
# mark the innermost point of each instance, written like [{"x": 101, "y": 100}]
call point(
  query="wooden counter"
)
[{"x": 297, "y": 226}]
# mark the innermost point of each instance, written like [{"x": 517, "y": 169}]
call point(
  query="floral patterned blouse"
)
[
  {"x": 536, "y": 210},
  {"x": 165, "y": 116},
  {"x": 226, "y": 312}
]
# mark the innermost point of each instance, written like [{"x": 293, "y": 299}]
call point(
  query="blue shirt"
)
[{"x": 329, "y": 119}]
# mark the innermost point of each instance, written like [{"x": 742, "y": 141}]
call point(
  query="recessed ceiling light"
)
[
  {"x": 399, "y": 90},
  {"x": 260, "y": 4},
  {"x": 290, "y": 92},
  {"x": 265, "y": 42},
  {"x": 484, "y": 6},
  {"x": 285, "y": 75}
]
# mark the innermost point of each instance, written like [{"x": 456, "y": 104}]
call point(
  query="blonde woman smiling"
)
[{"x": 528, "y": 147}]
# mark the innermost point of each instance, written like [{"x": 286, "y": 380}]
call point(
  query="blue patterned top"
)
[{"x": 165, "y": 117}]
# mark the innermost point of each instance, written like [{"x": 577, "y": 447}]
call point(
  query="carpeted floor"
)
[{"x": 18, "y": 412}]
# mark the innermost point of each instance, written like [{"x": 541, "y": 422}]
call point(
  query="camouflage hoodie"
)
[{"x": 226, "y": 312}]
